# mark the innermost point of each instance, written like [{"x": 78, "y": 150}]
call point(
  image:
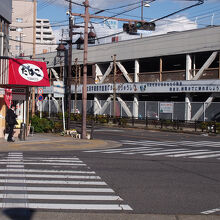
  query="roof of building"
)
[{"x": 186, "y": 42}]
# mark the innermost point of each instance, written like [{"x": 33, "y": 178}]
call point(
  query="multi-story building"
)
[
  {"x": 5, "y": 20},
  {"x": 175, "y": 74},
  {"x": 44, "y": 35},
  {"x": 21, "y": 30}
]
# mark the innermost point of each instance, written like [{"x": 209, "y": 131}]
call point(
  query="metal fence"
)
[{"x": 149, "y": 109}]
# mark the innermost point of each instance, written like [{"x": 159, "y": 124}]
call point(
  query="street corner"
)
[{"x": 55, "y": 143}]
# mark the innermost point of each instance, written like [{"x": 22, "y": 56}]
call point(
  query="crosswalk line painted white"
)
[
  {"x": 100, "y": 207},
  {"x": 217, "y": 154},
  {"x": 52, "y": 158},
  {"x": 43, "y": 163},
  {"x": 63, "y": 161},
  {"x": 129, "y": 150},
  {"x": 57, "y": 189},
  {"x": 15, "y": 166},
  {"x": 17, "y": 191},
  {"x": 54, "y": 182},
  {"x": 142, "y": 152},
  {"x": 62, "y": 197},
  {"x": 152, "y": 143},
  {"x": 190, "y": 154},
  {"x": 167, "y": 152},
  {"x": 57, "y": 176},
  {"x": 46, "y": 171}
]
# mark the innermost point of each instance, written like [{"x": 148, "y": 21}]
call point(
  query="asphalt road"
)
[
  {"x": 160, "y": 184},
  {"x": 151, "y": 173}
]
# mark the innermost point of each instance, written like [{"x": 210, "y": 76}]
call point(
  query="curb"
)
[{"x": 38, "y": 215}]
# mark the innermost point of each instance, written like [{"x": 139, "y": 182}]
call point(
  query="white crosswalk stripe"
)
[
  {"x": 166, "y": 148},
  {"x": 72, "y": 187}
]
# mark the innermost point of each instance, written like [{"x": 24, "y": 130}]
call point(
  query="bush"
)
[
  {"x": 41, "y": 124},
  {"x": 58, "y": 126}
]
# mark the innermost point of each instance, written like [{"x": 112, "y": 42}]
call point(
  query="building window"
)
[
  {"x": 17, "y": 47},
  {"x": 20, "y": 20},
  {"x": 19, "y": 29}
]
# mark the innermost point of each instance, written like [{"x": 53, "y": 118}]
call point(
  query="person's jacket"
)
[{"x": 11, "y": 117}]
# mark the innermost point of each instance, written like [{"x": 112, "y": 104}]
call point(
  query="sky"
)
[{"x": 199, "y": 16}]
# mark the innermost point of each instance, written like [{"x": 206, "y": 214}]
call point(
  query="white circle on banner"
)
[{"x": 31, "y": 72}]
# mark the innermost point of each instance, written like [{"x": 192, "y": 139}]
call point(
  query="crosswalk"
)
[
  {"x": 54, "y": 183},
  {"x": 174, "y": 149}
]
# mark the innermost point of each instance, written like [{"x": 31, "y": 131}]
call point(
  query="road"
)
[
  {"x": 166, "y": 173},
  {"x": 151, "y": 173}
]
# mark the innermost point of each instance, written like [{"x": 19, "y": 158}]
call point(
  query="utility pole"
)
[
  {"x": 76, "y": 83},
  {"x": 34, "y": 52},
  {"x": 87, "y": 17},
  {"x": 114, "y": 86},
  {"x": 85, "y": 63},
  {"x": 142, "y": 10},
  {"x": 69, "y": 65}
]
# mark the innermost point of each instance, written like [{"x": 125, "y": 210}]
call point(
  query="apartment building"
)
[
  {"x": 21, "y": 30},
  {"x": 5, "y": 20},
  {"x": 44, "y": 35}
]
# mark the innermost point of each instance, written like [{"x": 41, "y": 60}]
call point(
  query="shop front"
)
[{"x": 17, "y": 77}]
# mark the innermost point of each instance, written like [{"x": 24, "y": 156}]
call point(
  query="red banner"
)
[
  {"x": 8, "y": 97},
  {"x": 28, "y": 73}
]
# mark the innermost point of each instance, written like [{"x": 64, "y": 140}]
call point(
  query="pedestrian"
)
[{"x": 11, "y": 120}]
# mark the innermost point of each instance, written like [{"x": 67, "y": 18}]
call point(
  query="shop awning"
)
[{"x": 23, "y": 72}]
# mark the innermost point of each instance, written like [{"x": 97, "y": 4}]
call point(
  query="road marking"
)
[
  {"x": 211, "y": 211},
  {"x": 102, "y": 207},
  {"x": 151, "y": 143},
  {"x": 57, "y": 189},
  {"x": 17, "y": 189},
  {"x": 58, "y": 176},
  {"x": 198, "y": 152},
  {"x": 142, "y": 152},
  {"x": 54, "y": 182},
  {"x": 62, "y": 197},
  {"x": 207, "y": 156},
  {"x": 40, "y": 163},
  {"x": 167, "y": 152},
  {"x": 46, "y": 171}
]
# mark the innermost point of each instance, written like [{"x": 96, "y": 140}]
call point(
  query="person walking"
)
[{"x": 11, "y": 120}]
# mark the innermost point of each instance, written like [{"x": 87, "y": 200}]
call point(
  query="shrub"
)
[
  {"x": 41, "y": 124},
  {"x": 58, "y": 126}
]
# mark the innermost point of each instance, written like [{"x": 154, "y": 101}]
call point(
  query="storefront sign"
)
[
  {"x": 8, "y": 97},
  {"x": 28, "y": 73}
]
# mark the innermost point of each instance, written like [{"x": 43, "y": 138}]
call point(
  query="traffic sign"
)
[
  {"x": 40, "y": 98},
  {"x": 40, "y": 91}
]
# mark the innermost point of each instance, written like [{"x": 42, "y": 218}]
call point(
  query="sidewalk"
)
[{"x": 54, "y": 142}]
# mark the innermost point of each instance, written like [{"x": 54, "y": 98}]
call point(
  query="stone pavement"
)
[{"x": 54, "y": 142}]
